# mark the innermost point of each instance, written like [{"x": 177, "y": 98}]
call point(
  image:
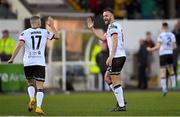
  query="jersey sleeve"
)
[
  {"x": 113, "y": 29},
  {"x": 22, "y": 36},
  {"x": 50, "y": 35},
  {"x": 173, "y": 38},
  {"x": 159, "y": 38}
]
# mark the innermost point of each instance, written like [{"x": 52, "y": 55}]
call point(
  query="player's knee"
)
[
  {"x": 171, "y": 73},
  {"x": 162, "y": 76},
  {"x": 116, "y": 79},
  {"x": 162, "y": 73},
  {"x": 30, "y": 82},
  {"x": 116, "y": 82},
  {"x": 107, "y": 79}
]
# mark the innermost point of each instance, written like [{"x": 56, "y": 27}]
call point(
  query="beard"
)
[{"x": 107, "y": 21}]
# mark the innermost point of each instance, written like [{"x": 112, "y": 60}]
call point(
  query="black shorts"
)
[
  {"x": 35, "y": 72},
  {"x": 166, "y": 60},
  {"x": 117, "y": 65}
]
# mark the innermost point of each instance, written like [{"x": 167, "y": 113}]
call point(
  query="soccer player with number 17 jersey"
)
[{"x": 34, "y": 40}]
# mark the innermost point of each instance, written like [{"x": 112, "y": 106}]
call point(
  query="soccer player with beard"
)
[{"x": 117, "y": 55}]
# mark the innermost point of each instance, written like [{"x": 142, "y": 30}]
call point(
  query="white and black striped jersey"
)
[
  {"x": 115, "y": 28},
  {"x": 166, "y": 39},
  {"x": 35, "y": 43}
]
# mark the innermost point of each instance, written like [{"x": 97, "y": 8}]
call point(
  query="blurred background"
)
[{"x": 76, "y": 61}]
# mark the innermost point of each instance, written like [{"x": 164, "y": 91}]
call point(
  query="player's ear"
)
[{"x": 112, "y": 16}]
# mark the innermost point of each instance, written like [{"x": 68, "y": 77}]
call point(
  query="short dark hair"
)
[
  {"x": 148, "y": 33},
  {"x": 165, "y": 24},
  {"x": 5, "y": 31},
  {"x": 33, "y": 18},
  {"x": 108, "y": 9}
]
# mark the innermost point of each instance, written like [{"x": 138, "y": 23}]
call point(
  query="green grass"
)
[{"x": 95, "y": 104}]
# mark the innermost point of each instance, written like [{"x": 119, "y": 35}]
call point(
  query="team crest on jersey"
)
[
  {"x": 113, "y": 26},
  {"x": 22, "y": 34}
]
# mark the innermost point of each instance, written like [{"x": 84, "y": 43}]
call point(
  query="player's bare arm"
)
[
  {"x": 90, "y": 24},
  {"x": 174, "y": 45},
  {"x": 155, "y": 48},
  {"x": 114, "y": 47},
  {"x": 20, "y": 44},
  {"x": 50, "y": 24}
]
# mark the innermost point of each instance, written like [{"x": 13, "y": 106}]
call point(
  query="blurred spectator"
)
[
  {"x": 133, "y": 9},
  {"x": 101, "y": 61},
  {"x": 162, "y": 8},
  {"x": 178, "y": 8},
  {"x": 148, "y": 9},
  {"x": 142, "y": 65},
  {"x": 108, "y": 3},
  {"x": 84, "y": 4},
  {"x": 7, "y": 44},
  {"x": 4, "y": 7},
  {"x": 94, "y": 68},
  {"x": 5, "y": 3},
  {"x": 5, "y": 11},
  {"x": 176, "y": 52},
  {"x": 149, "y": 43},
  {"x": 120, "y": 9},
  {"x": 96, "y": 6}
]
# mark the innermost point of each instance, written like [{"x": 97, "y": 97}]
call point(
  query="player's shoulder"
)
[
  {"x": 114, "y": 25},
  {"x": 25, "y": 31},
  {"x": 167, "y": 34},
  {"x": 171, "y": 33},
  {"x": 162, "y": 34},
  {"x": 43, "y": 30}
]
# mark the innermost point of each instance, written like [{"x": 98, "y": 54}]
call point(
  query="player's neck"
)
[
  {"x": 165, "y": 30},
  {"x": 34, "y": 27},
  {"x": 112, "y": 20}
]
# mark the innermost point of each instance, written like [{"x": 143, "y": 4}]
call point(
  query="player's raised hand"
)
[
  {"x": 50, "y": 21},
  {"x": 90, "y": 23}
]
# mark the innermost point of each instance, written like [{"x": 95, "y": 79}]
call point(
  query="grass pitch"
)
[{"x": 141, "y": 103}]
